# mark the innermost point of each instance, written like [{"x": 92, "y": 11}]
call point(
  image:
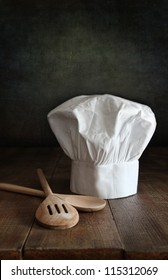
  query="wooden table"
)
[{"x": 131, "y": 228}]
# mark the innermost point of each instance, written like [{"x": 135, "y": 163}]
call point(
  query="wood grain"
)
[
  {"x": 142, "y": 220},
  {"x": 94, "y": 237},
  {"x": 18, "y": 165},
  {"x": 16, "y": 219},
  {"x": 135, "y": 227}
]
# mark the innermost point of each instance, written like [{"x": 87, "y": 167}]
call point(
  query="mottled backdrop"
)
[{"x": 52, "y": 50}]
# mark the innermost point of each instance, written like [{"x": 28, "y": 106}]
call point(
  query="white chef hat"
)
[{"x": 104, "y": 135}]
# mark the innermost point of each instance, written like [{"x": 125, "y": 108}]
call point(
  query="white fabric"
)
[{"x": 104, "y": 135}]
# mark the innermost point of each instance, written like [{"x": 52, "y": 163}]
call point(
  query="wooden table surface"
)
[{"x": 135, "y": 227}]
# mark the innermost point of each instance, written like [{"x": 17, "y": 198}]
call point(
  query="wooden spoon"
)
[
  {"x": 80, "y": 202},
  {"x": 55, "y": 213}
]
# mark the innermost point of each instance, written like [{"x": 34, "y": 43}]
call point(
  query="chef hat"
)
[{"x": 104, "y": 136}]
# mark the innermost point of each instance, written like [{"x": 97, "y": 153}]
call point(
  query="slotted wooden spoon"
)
[{"x": 55, "y": 213}]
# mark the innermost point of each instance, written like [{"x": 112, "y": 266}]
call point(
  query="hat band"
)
[{"x": 106, "y": 181}]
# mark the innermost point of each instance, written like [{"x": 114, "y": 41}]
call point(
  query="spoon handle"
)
[
  {"x": 44, "y": 183},
  {"x": 21, "y": 189}
]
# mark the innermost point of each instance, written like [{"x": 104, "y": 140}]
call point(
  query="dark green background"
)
[{"x": 52, "y": 50}]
